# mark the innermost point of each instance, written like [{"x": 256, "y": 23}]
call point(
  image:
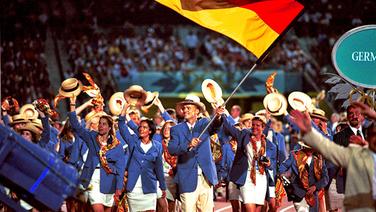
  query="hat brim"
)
[
  {"x": 282, "y": 108},
  {"x": 93, "y": 114},
  {"x": 147, "y": 105},
  {"x": 19, "y": 122},
  {"x": 319, "y": 116},
  {"x": 180, "y": 105},
  {"x": 135, "y": 92},
  {"x": 211, "y": 91},
  {"x": 30, "y": 127},
  {"x": 300, "y": 101},
  {"x": 114, "y": 107},
  {"x": 73, "y": 92}
]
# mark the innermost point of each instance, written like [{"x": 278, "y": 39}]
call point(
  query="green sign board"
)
[
  {"x": 177, "y": 84},
  {"x": 354, "y": 56}
]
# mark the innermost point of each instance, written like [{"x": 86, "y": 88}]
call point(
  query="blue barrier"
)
[{"x": 38, "y": 176}]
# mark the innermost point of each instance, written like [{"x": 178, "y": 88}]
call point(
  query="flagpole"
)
[{"x": 229, "y": 97}]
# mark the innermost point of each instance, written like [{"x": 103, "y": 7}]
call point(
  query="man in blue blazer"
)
[
  {"x": 306, "y": 198},
  {"x": 196, "y": 172}
]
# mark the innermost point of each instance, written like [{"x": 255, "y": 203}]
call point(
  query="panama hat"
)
[
  {"x": 116, "y": 103},
  {"x": 275, "y": 103},
  {"x": 300, "y": 101},
  {"x": 18, "y": 119},
  {"x": 150, "y": 99},
  {"x": 30, "y": 127},
  {"x": 135, "y": 94},
  {"x": 211, "y": 91},
  {"x": 318, "y": 113},
  {"x": 260, "y": 117},
  {"x": 302, "y": 144},
  {"x": 191, "y": 99},
  {"x": 70, "y": 87},
  {"x": 261, "y": 113},
  {"x": 29, "y": 112},
  {"x": 94, "y": 114},
  {"x": 246, "y": 116}
]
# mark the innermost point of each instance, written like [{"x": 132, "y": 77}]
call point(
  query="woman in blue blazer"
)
[
  {"x": 71, "y": 148},
  {"x": 145, "y": 166},
  {"x": 254, "y": 157},
  {"x": 105, "y": 163}
]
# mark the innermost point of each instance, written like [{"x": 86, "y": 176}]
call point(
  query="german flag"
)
[{"x": 255, "y": 24}]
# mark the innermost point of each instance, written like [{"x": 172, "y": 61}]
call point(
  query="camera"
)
[{"x": 264, "y": 159}]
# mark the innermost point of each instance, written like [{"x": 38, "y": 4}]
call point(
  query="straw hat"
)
[
  {"x": 246, "y": 116},
  {"x": 94, "y": 114},
  {"x": 30, "y": 127},
  {"x": 116, "y": 103},
  {"x": 150, "y": 99},
  {"x": 261, "y": 113},
  {"x": 37, "y": 123},
  {"x": 275, "y": 103},
  {"x": 318, "y": 113},
  {"x": 29, "y": 112},
  {"x": 259, "y": 117},
  {"x": 18, "y": 119},
  {"x": 300, "y": 101},
  {"x": 135, "y": 94},
  {"x": 191, "y": 99},
  {"x": 70, "y": 87},
  {"x": 211, "y": 91}
]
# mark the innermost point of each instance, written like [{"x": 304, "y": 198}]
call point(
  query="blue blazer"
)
[
  {"x": 115, "y": 158},
  {"x": 75, "y": 150},
  {"x": 240, "y": 167},
  {"x": 290, "y": 164},
  {"x": 188, "y": 160},
  {"x": 156, "y": 137},
  {"x": 45, "y": 140},
  {"x": 147, "y": 164}
]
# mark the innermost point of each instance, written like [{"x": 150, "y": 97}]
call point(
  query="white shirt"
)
[
  {"x": 146, "y": 148},
  {"x": 355, "y": 131},
  {"x": 250, "y": 155},
  {"x": 190, "y": 127},
  {"x": 309, "y": 160}
]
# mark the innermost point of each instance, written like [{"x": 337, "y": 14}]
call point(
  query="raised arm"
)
[
  {"x": 338, "y": 155},
  {"x": 123, "y": 128},
  {"x": 45, "y": 137},
  {"x": 234, "y": 132},
  {"x": 82, "y": 107},
  {"x": 76, "y": 126}
]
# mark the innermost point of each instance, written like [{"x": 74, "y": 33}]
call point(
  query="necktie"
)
[{"x": 358, "y": 133}]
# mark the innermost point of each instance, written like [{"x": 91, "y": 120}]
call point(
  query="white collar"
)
[
  {"x": 190, "y": 126},
  {"x": 356, "y": 129}
]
